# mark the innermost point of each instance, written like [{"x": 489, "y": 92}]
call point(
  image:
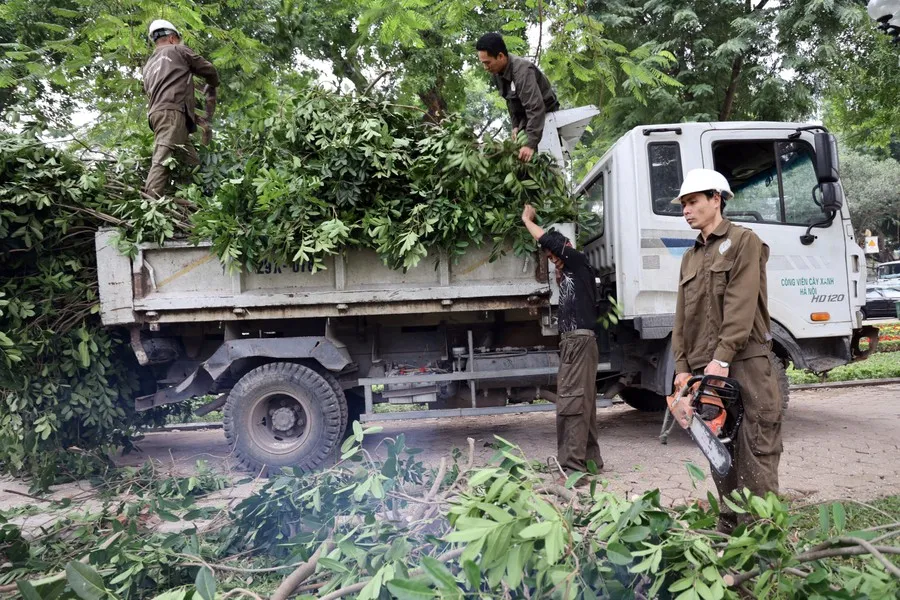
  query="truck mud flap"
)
[
  {"x": 202, "y": 380},
  {"x": 870, "y": 332}
]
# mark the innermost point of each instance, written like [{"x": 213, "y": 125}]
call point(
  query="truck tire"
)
[
  {"x": 644, "y": 400},
  {"x": 356, "y": 406},
  {"x": 283, "y": 415},
  {"x": 784, "y": 383},
  {"x": 339, "y": 392}
]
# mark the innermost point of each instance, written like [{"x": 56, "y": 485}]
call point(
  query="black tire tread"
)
[
  {"x": 643, "y": 400},
  {"x": 784, "y": 383},
  {"x": 338, "y": 390}
]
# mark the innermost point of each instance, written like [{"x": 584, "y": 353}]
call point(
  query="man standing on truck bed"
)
[
  {"x": 528, "y": 94},
  {"x": 169, "y": 84},
  {"x": 576, "y": 383},
  {"x": 722, "y": 328}
]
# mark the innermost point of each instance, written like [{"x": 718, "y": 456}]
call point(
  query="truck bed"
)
[{"x": 181, "y": 282}]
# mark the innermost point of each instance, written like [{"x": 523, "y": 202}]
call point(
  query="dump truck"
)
[{"x": 292, "y": 355}]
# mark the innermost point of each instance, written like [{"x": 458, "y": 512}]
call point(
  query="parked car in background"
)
[
  {"x": 888, "y": 271},
  {"x": 883, "y": 294}
]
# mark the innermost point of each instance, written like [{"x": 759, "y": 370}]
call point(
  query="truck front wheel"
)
[
  {"x": 283, "y": 415},
  {"x": 643, "y": 400}
]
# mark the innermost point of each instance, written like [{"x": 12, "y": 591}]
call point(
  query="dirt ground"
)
[{"x": 839, "y": 443}]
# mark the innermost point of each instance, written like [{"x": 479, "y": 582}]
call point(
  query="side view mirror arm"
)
[{"x": 807, "y": 238}]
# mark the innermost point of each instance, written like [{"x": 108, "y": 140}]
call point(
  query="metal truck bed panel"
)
[{"x": 180, "y": 282}]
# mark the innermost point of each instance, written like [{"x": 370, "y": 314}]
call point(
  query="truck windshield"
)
[{"x": 772, "y": 180}]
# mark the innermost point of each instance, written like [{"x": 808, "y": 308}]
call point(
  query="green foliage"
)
[
  {"x": 85, "y": 54},
  {"x": 325, "y": 172},
  {"x": 64, "y": 380},
  {"x": 881, "y": 365},
  {"x": 426, "y": 49},
  {"x": 479, "y": 531},
  {"x": 731, "y": 60},
  {"x": 862, "y": 88},
  {"x": 872, "y": 186}
]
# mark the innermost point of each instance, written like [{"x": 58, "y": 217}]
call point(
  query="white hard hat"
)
[
  {"x": 162, "y": 24},
  {"x": 703, "y": 180}
]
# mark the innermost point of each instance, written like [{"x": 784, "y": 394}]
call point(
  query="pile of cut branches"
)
[
  {"x": 322, "y": 172},
  {"x": 65, "y": 382},
  {"x": 379, "y": 524}
]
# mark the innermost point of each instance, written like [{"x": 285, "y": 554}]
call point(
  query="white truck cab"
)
[{"x": 635, "y": 238}]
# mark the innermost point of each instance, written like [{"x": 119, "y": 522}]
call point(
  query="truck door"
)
[{"x": 773, "y": 178}]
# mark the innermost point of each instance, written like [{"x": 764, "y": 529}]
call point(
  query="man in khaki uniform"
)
[
  {"x": 722, "y": 328},
  {"x": 576, "y": 383},
  {"x": 169, "y": 84},
  {"x": 527, "y": 91}
]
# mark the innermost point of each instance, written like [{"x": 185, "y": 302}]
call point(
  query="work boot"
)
[{"x": 727, "y": 523}]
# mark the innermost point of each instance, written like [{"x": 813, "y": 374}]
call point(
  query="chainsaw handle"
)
[{"x": 690, "y": 384}]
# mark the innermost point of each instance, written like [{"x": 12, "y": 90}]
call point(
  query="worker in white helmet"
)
[
  {"x": 722, "y": 328},
  {"x": 169, "y": 85}
]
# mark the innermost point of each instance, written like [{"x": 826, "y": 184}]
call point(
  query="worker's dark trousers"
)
[
  {"x": 576, "y": 408},
  {"x": 170, "y": 138},
  {"x": 757, "y": 449}
]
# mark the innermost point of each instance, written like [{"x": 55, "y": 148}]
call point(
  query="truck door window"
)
[
  {"x": 590, "y": 211},
  {"x": 665, "y": 176},
  {"x": 772, "y": 180}
]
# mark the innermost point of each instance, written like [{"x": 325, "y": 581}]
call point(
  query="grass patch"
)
[
  {"x": 882, "y": 365},
  {"x": 398, "y": 408},
  {"x": 859, "y": 515},
  {"x": 811, "y": 519}
]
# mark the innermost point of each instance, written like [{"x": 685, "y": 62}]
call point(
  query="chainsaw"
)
[{"x": 709, "y": 407}]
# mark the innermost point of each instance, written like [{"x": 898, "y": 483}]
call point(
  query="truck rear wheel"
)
[
  {"x": 642, "y": 399},
  {"x": 283, "y": 415}
]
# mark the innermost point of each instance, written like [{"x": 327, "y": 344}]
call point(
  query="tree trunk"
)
[
  {"x": 343, "y": 67},
  {"x": 434, "y": 101},
  {"x": 728, "y": 103}
]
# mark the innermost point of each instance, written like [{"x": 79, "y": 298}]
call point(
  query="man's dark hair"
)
[
  {"x": 493, "y": 44},
  {"x": 710, "y": 193}
]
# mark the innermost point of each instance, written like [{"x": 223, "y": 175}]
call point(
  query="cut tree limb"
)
[
  {"x": 352, "y": 589},
  {"x": 861, "y": 547},
  {"x": 292, "y": 581},
  {"x": 874, "y": 551}
]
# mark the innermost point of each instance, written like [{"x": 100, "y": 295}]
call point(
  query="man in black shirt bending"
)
[{"x": 576, "y": 384}]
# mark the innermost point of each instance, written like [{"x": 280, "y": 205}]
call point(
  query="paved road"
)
[{"x": 839, "y": 443}]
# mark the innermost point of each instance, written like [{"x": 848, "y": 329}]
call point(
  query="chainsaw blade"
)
[{"x": 711, "y": 446}]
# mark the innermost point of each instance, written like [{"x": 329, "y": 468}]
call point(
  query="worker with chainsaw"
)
[
  {"x": 169, "y": 85},
  {"x": 528, "y": 94},
  {"x": 576, "y": 387},
  {"x": 722, "y": 329}
]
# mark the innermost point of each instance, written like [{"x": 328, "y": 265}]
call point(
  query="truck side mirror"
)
[
  {"x": 826, "y": 159},
  {"x": 832, "y": 197}
]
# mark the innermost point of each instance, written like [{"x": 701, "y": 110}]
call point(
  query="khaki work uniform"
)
[
  {"x": 529, "y": 97},
  {"x": 722, "y": 313},
  {"x": 576, "y": 408},
  {"x": 576, "y": 383},
  {"x": 169, "y": 84}
]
